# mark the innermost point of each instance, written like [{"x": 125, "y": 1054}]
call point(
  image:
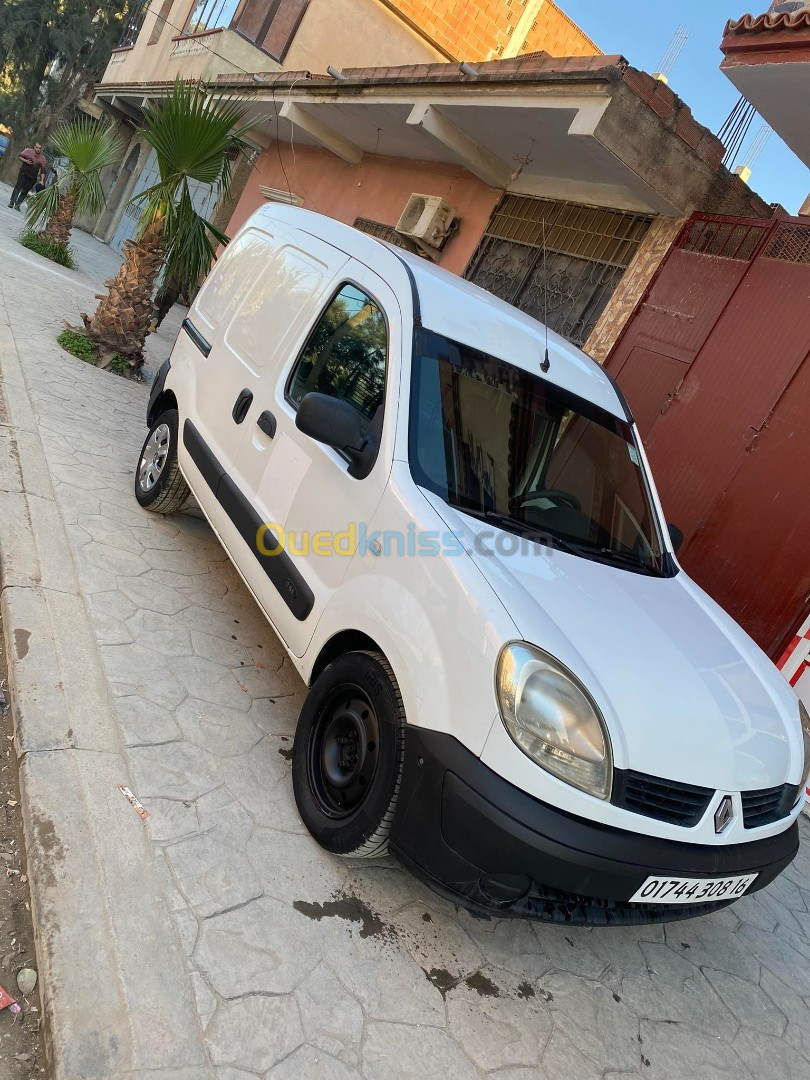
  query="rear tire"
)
[
  {"x": 159, "y": 484},
  {"x": 348, "y": 755}
]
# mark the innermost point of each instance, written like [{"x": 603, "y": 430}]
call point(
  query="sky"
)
[{"x": 641, "y": 31}]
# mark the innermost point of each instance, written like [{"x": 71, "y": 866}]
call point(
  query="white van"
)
[{"x": 513, "y": 686}]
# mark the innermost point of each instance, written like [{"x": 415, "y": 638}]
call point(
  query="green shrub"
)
[
  {"x": 78, "y": 344},
  {"x": 119, "y": 365},
  {"x": 58, "y": 253}
]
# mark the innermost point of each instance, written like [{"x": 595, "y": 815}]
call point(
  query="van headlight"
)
[
  {"x": 553, "y": 719},
  {"x": 804, "y": 716}
]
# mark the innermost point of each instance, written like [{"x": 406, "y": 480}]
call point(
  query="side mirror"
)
[
  {"x": 339, "y": 425},
  {"x": 676, "y": 536}
]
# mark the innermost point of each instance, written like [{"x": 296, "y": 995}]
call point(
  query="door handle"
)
[
  {"x": 243, "y": 403},
  {"x": 267, "y": 424}
]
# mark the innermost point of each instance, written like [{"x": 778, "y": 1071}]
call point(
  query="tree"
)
[
  {"x": 194, "y": 139},
  {"x": 89, "y": 148},
  {"x": 50, "y": 50}
]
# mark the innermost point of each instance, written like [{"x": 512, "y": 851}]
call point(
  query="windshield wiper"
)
[
  {"x": 622, "y": 558},
  {"x": 615, "y": 556},
  {"x": 522, "y": 528}
]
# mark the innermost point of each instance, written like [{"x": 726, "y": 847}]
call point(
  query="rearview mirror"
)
[
  {"x": 330, "y": 420},
  {"x": 676, "y": 536},
  {"x": 339, "y": 425}
]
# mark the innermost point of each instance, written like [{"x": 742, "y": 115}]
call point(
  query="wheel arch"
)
[
  {"x": 165, "y": 400},
  {"x": 345, "y": 641}
]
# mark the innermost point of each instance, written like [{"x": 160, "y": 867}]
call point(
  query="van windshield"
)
[{"x": 513, "y": 449}]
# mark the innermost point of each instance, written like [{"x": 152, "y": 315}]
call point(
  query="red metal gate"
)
[{"x": 715, "y": 364}]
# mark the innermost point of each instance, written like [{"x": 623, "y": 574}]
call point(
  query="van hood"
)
[{"x": 686, "y": 694}]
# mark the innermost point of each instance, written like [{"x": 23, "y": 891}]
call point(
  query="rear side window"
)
[
  {"x": 275, "y": 309},
  {"x": 234, "y": 273},
  {"x": 345, "y": 355}
]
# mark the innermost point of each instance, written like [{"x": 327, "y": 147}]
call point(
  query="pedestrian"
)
[{"x": 32, "y": 170}]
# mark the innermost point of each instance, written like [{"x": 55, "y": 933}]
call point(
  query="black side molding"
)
[
  {"x": 196, "y": 337},
  {"x": 200, "y": 454},
  {"x": 280, "y": 568}
]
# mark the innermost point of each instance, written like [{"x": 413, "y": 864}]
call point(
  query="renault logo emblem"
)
[{"x": 724, "y": 815}]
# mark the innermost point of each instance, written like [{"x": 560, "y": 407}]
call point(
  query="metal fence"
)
[{"x": 560, "y": 262}]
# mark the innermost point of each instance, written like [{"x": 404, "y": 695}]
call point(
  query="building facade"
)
[
  {"x": 207, "y": 39},
  {"x": 569, "y": 178}
]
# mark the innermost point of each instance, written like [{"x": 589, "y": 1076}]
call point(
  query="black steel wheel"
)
[{"x": 348, "y": 755}]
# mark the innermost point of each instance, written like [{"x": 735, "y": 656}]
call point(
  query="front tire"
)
[
  {"x": 348, "y": 755},
  {"x": 159, "y": 484}
]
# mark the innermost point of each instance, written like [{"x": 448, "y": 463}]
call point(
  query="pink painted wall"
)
[{"x": 377, "y": 188}]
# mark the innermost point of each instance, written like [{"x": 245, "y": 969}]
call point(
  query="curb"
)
[{"x": 116, "y": 995}]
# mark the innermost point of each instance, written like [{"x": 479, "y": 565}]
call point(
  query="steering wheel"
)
[{"x": 561, "y": 498}]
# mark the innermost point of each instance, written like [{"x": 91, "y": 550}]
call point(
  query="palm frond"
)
[
  {"x": 192, "y": 132},
  {"x": 196, "y": 137},
  {"x": 90, "y": 197},
  {"x": 41, "y": 207},
  {"x": 88, "y": 146}
]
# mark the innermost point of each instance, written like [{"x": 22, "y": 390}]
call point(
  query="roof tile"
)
[{"x": 799, "y": 20}]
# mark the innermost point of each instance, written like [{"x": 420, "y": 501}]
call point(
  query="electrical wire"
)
[{"x": 292, "y": 145}]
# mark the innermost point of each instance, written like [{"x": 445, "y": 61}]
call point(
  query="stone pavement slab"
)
[{"x": 296, "y": 964}]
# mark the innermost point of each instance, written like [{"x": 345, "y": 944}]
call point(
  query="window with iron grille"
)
[
  {"x": 133, "y": 24},
  {"x": 210, "y": 15},
  {"x": 270, "y": 25},
  {"x": 559, "y": 262}
]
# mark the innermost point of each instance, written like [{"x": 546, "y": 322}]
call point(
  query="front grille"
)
[
  {"x": 666, "y": 800},
  {"x": 768, "y": 805}
]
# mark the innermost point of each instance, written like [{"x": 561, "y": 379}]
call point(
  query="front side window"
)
[
  {"x": 513, "y": 449},
  {"x": 345, "y": 355},
  {"x": 211, "y": 15}
]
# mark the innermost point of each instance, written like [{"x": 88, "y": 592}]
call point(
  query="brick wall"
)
[
  {"x": 482, "y": 29},
  {"x": 555, "y": 33}
]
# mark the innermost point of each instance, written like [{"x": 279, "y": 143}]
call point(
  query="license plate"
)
[{"x": 667, "y": 890}]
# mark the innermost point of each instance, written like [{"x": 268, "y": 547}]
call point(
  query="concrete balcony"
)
[{"x": 189, "y": 56}]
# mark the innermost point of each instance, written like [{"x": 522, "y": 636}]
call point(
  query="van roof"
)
[{"x": 459, "y": 310}]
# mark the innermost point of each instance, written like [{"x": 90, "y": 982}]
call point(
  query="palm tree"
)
[
  {"x": 89, "y": 148},
  {"x": 196, "y": 137}
]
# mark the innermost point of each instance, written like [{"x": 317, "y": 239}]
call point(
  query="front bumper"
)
[{"x": 494, "y": 849}]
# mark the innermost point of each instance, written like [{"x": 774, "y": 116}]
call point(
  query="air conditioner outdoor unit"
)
[{"x": 428, "y": 219}]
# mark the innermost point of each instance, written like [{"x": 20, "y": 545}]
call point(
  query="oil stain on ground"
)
[
  {"x": 483, "y": 986},
  {"x": 350, "y": 908}
]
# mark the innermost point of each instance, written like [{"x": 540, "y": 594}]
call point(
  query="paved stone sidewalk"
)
[{"x": 302, "y": 965}]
